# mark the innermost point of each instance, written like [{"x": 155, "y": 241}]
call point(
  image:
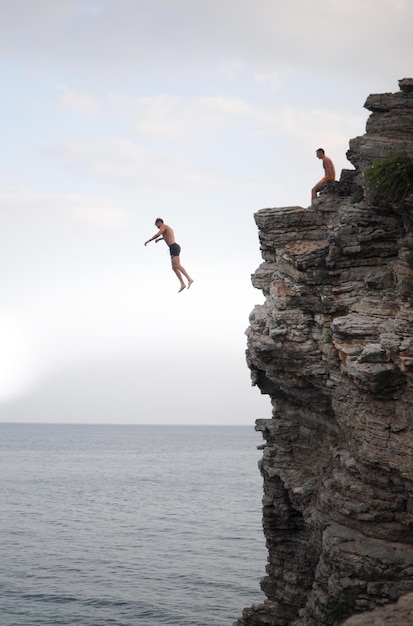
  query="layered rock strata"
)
[
  {"x": 333, "y": 347},
  {"x": 400, "y": 614}
]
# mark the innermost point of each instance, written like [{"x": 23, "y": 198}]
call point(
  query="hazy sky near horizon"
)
[{"x": 201, "y": 112}]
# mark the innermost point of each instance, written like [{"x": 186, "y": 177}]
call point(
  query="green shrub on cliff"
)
[{"x": 391, "y": 178}]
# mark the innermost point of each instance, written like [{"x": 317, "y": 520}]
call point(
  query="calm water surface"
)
[{"x": 129, "y": 525}]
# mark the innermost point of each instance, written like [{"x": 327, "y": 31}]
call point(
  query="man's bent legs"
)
[
  {"x": 179, "y": 270},
  {"x": 318, "y": 186},
  {"x": 316, "y": 189}
]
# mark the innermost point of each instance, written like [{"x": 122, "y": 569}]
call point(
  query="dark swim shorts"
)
[{"x": 174, "y": 249}]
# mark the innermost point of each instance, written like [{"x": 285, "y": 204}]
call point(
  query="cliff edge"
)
[{"x": 333, "y": 347}]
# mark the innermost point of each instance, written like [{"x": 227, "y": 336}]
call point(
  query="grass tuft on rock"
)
[{"x": 391, "y": 179}]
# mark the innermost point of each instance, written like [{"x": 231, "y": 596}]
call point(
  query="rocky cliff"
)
[{"x": 333, "y": 347}]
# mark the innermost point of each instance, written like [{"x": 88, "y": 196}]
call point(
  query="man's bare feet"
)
[
  {"x": 190, "y": 281},
  {"x": 182, "y": 288}
]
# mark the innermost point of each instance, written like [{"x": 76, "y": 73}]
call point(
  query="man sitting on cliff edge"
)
[{"x": 329, "y": 172}]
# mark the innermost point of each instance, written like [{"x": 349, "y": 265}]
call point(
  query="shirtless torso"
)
[{"x": 166, "y": 233}]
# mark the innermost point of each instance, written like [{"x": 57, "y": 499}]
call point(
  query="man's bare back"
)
[{"x": 329, "y": 167}]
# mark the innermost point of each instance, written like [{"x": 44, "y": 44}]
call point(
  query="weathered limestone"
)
[{"x": 333, "y": 347}]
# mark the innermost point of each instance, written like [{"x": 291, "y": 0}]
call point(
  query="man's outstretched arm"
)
[{"x": 157, "y": 237}]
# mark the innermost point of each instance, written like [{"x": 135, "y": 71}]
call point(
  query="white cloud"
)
[
  {"x": 76, "y": 101},
  {"x": 127, "y": 163},
  {"x": 272, "y": 79},
  {"x": 171, "y": 117},
  {"x": 307, "y": 126},
  {"x": 71, "y": 208}
]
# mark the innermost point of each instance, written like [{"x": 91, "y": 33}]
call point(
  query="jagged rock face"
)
[
  {"x": 389, "y": 127},
  {"x": 333, "y": 347}
]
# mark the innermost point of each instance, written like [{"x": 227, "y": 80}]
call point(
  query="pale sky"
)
[{"x": 201, "y": 112}]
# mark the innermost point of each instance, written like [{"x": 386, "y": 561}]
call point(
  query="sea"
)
[{"x": 129, "y": 525}]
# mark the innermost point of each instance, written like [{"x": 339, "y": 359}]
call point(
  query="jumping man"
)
[
  {"x": 329, "y": 172},
  {"x": 166, "y": 233}
]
